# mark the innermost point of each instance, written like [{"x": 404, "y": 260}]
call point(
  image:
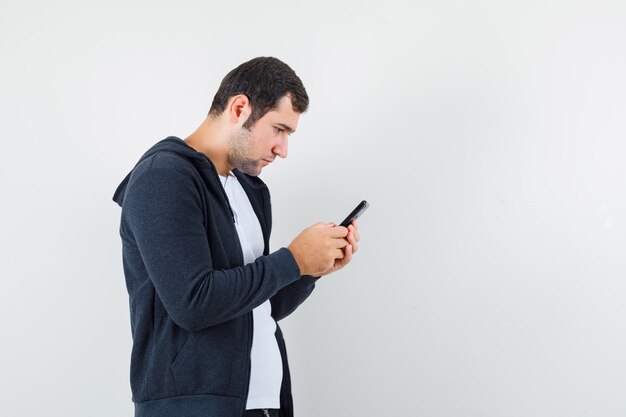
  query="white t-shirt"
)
[{"x": 266, "y": 371}]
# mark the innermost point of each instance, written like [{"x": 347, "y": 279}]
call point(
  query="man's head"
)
[
  {"x": 264, "y": 80},
  {"x": 261, "y": 101}
]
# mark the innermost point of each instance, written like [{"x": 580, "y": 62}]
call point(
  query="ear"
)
[{"x": 239, "y": 109}]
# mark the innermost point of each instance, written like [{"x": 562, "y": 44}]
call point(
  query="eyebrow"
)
[{"x": 284, "y": 126}]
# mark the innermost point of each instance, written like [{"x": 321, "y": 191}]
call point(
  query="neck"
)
[{"x": 211, "y": 139}]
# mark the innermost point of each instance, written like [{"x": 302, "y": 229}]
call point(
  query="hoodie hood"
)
[{"x": 170, "y": 144}]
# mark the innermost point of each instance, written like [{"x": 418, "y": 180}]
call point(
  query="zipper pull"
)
[{"x": 266, "y": 413}]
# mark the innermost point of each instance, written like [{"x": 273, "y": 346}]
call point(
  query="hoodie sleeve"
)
[
  {"x": 290, "y": 297},
  {"x": 163, "y": 211}
]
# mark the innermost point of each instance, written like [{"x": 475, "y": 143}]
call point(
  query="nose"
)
[{"x": 280, "y": 149}]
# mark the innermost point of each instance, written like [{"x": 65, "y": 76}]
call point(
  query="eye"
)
[{"x": 278, "y": 130}]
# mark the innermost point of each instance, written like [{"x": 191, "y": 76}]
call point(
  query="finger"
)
[
  {"x": 356, "y": 230},
  {"x": 339, "y": 231},
  {"x": 339, "y": 243},
  {"x": 338, "y": 254},
  {"x": 353, "y": 242},
  {"x": 347, "y": 256}
]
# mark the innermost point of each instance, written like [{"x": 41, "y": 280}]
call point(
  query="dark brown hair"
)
[{"x": 264, "y": 80}]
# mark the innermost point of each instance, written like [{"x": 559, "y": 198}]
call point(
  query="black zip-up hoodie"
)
[{"x": 191, "y": 296}]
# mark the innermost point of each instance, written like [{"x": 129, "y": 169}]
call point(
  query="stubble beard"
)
[{"x": 240, "y": 150}]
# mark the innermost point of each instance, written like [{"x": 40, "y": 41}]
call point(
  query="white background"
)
[{"x": 488, "y": 137}]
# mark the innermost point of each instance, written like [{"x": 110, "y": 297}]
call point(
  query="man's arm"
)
[
  {"x": 290, "y": 297},
  {"x": 163, "y": 210}
]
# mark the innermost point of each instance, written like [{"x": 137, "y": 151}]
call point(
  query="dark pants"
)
[{"x": 264, "y": 412}]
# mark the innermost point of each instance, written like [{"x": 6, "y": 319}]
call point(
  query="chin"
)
[{"x": 252, "y": 171}]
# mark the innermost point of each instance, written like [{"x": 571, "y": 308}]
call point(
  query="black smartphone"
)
[{"x": 363, "y": 205}]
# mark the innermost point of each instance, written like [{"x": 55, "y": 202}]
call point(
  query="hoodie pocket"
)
[
  {"x": 214, "y": 361},
  {"x": 181, "y": 356}
]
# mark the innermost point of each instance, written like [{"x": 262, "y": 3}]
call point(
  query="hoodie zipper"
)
[{"x": 248, "y": 362}]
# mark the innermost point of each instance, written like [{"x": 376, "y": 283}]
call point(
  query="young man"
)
[{"x": 205, "y": 291}]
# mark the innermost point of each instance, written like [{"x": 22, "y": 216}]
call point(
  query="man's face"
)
[{"x": 253, "y": 149}]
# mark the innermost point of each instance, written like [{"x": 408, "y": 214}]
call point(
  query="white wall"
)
[{"x": 488, "y": 137}]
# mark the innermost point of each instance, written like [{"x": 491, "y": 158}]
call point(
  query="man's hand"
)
[
  {"x": 317, "y": 249},
  {"x": 350, "y": 249}
]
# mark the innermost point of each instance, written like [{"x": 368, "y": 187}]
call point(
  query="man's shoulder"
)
[
  {"x": 165, "y": 160},
  {"x": 164, "y": 167}
]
